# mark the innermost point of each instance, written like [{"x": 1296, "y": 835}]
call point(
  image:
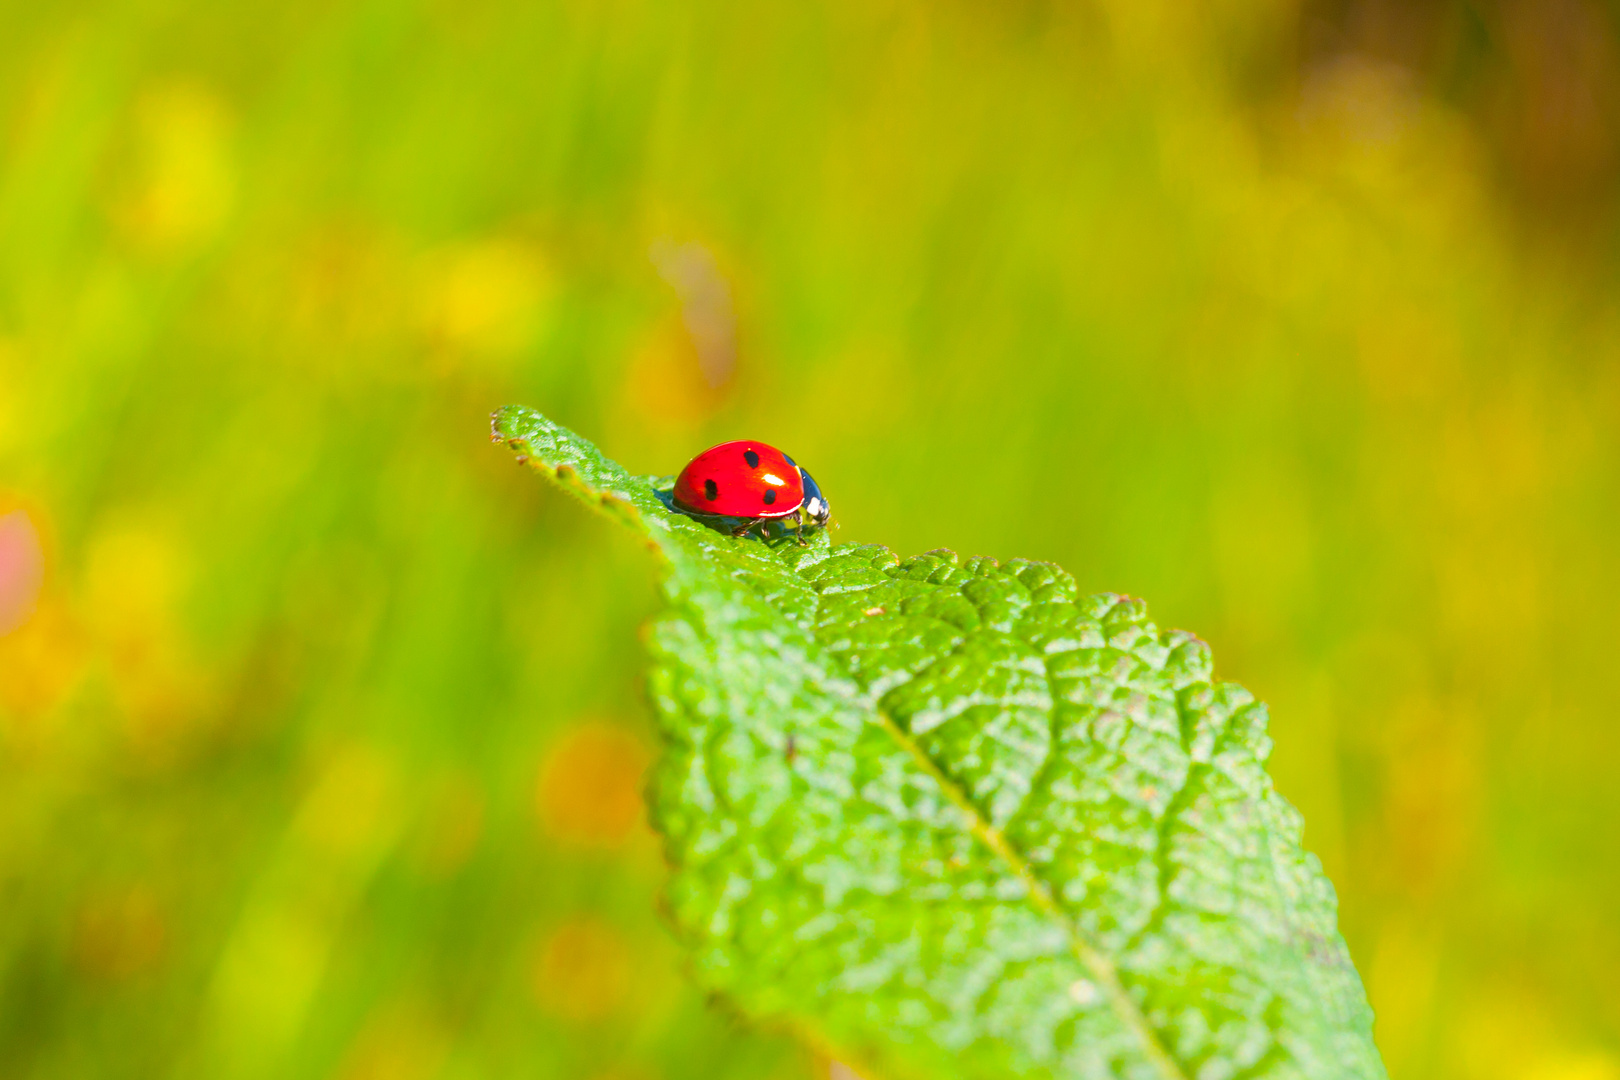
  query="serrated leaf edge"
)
[{"x": 1102, "y": 970}]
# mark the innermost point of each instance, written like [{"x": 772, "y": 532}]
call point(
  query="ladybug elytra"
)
[{"x": 750, "y": 480}]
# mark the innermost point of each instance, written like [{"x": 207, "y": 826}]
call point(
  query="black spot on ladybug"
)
[
  {"x": 711, "y": 490},
  {"x": 752, "y": 459},
  {"x": 770, "y": 497}
]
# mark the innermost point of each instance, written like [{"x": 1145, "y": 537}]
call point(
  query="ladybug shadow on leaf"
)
[{"x": 772, "y": 533}]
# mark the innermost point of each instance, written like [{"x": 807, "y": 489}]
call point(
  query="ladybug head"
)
[{"x": 815, "y": 504}]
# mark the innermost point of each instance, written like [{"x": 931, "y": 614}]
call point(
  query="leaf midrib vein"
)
[{"x": 1091, "y": 958}]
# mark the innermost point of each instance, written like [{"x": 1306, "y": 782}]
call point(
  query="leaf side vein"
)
[{"x": 1101, "y": 968}]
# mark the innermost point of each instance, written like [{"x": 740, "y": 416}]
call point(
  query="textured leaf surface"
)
[{"x": 951, "y": 819}]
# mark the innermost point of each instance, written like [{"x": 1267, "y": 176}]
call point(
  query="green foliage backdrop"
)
[{"x": 321, "y": 739}]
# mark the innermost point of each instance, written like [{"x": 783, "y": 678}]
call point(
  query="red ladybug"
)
[{"x": 750, "y": 480}]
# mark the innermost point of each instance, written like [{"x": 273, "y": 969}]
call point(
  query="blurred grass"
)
[{"x": 318, "y": 721}]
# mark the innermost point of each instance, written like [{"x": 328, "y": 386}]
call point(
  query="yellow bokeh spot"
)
[
  {"x": 134, "y": 576},
  {"x": 1499, "y": 1032},
  {"x": 39, "y": 663},
  {"x": 487, "y": 298},
  {"x": 11, "y": 364},
  {"x": 134, "y": 582},
  {"x": 589, "y": 792},
  {"x": 1590, "y": 1065},
  {"x": 178, "y": 184}
]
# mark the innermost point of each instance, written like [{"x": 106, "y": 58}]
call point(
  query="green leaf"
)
[{"x": 949, "y": 818}]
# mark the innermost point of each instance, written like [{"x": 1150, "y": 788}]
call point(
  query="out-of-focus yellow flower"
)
[
  {"x": 39, "y": 664},
  {"x": 1511, "y": 1032},
  {"x": 42, "y": 647},
  {"x": 178, "y": 183},
  {"x": 486, "y": 299},
  {"x": 22, "y": 569},
  {"x": 589, "y": 792},
  {"x": 664, "y": 387},
  {"x": 1579, "y": 1065},
  {"x": 10, "y": 392}
]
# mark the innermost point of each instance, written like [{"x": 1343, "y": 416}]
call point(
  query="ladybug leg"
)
[{"x": 798, "y": 529}]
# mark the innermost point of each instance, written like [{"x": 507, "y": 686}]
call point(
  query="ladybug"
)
[{"x": 750, "y": 480}]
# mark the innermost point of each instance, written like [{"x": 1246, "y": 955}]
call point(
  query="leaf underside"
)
[{"x": 949, "y": 818}]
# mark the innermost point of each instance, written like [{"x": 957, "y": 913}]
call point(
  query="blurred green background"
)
[{"x": 320, "y": 724}]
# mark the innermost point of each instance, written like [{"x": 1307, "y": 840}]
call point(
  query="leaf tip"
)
[{"x": 499, "y": 423}]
